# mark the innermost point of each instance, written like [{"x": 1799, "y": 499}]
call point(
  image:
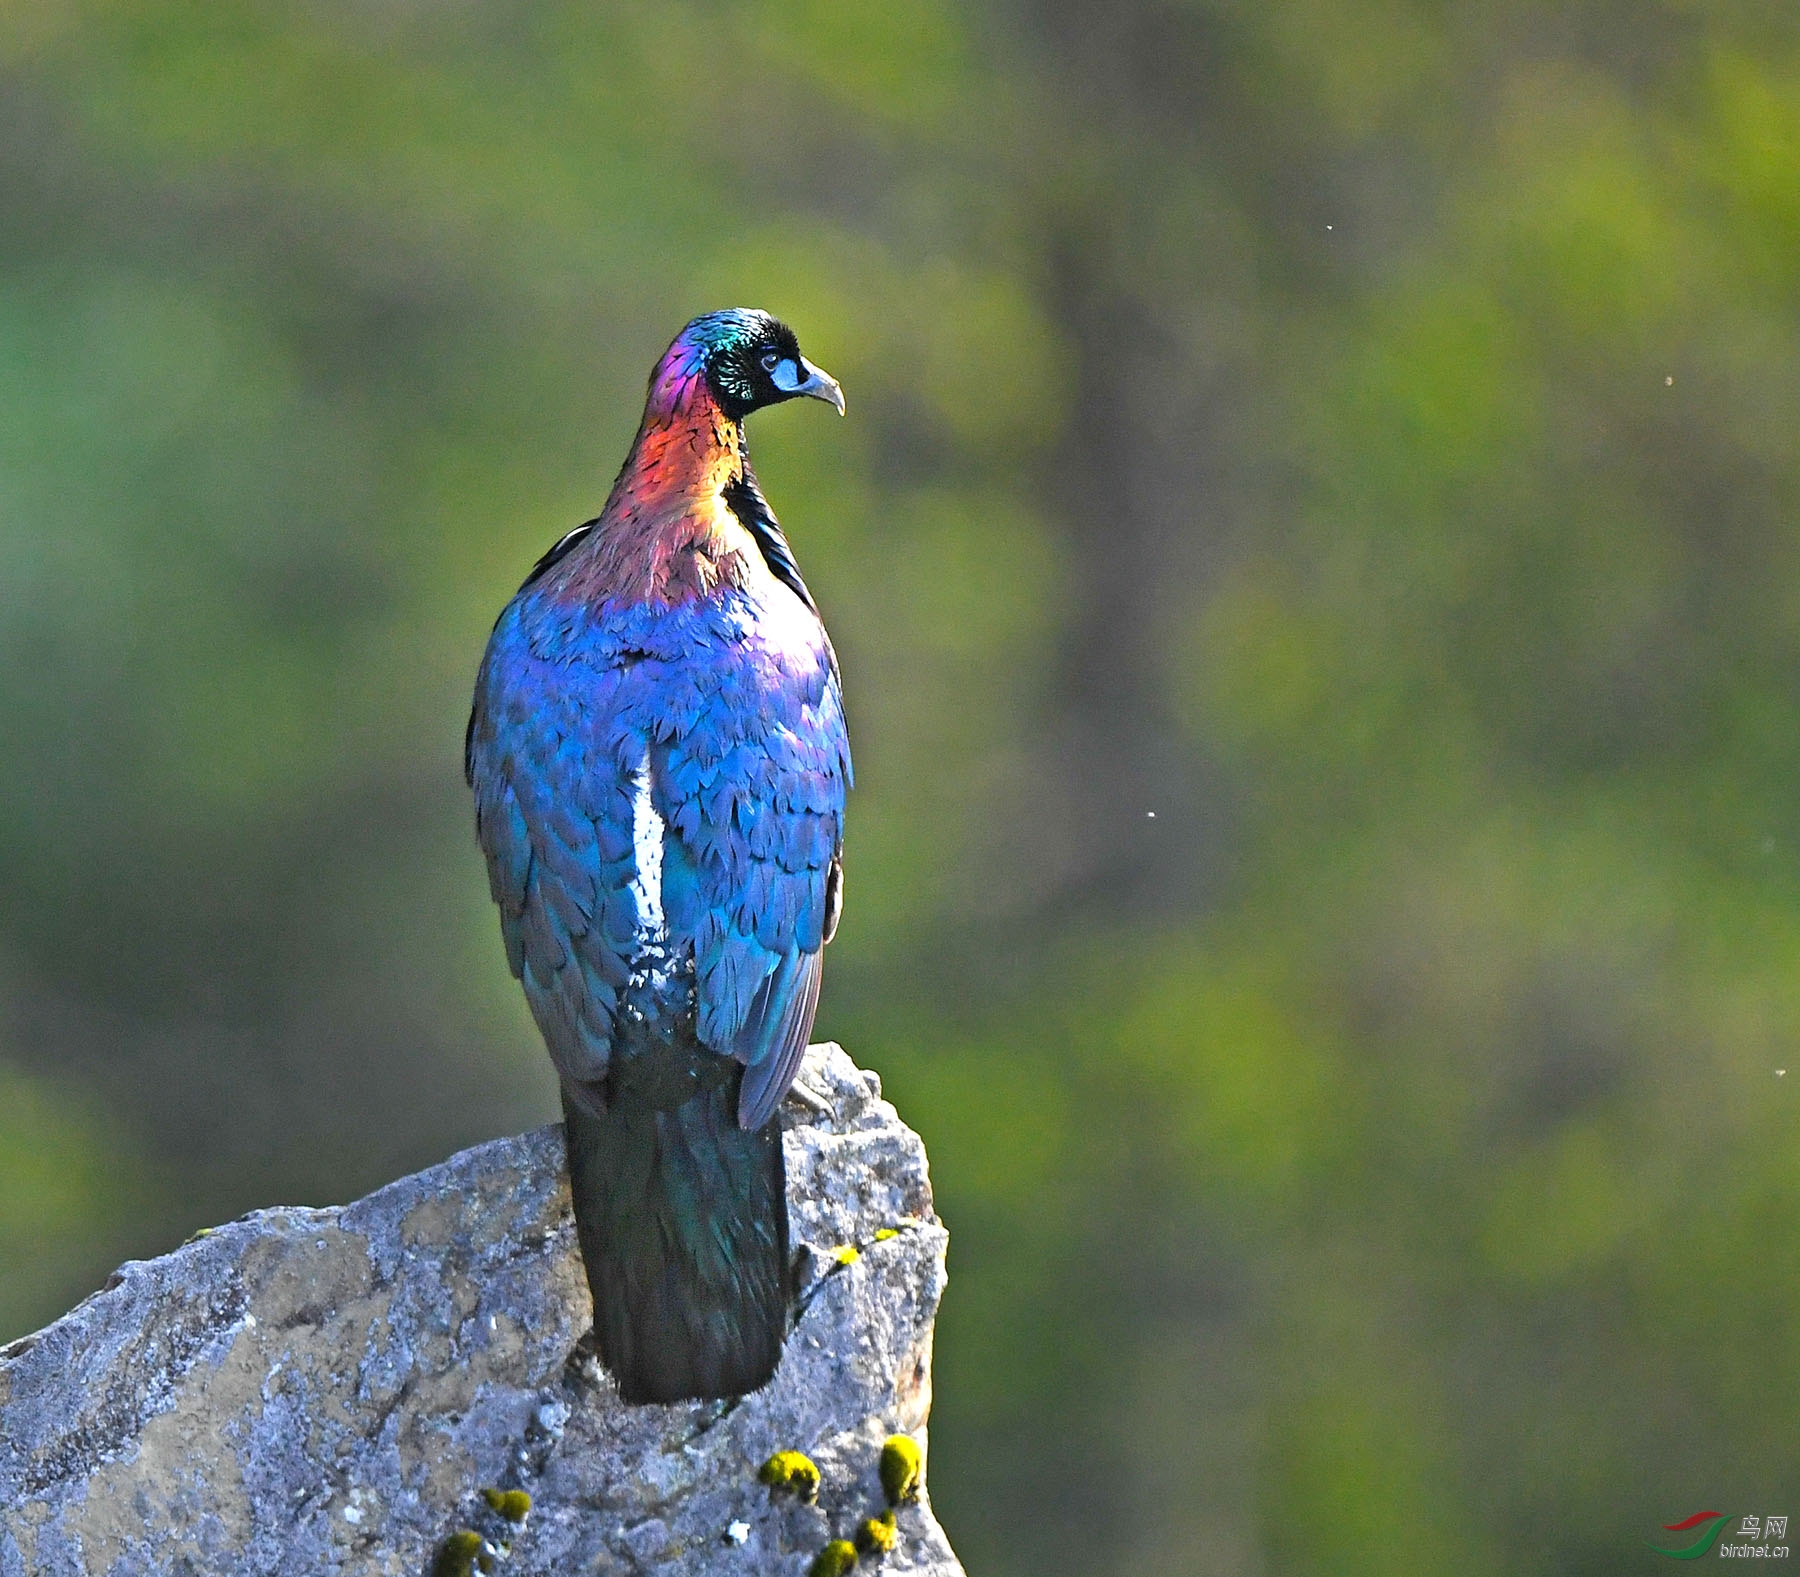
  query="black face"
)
[{"x": 757, "y": 362}]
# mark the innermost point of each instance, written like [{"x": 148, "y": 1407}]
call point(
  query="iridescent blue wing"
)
[
  {"x": 553, "y": 783},
  {"x": 773, "y": 1037},
  {"x": 752, "y": 790},
  {"x": 735, "y": 709}
]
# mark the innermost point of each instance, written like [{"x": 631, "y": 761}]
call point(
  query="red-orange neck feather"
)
[{"x": 667, "y": 534}]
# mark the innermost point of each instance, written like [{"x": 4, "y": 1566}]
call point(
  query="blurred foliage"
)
[
  {"x": 1314, "y": 561},
  {"x": 66, "y": 1177}
]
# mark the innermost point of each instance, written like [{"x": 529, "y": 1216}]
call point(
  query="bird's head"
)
[{"x": 748, "y": 360}]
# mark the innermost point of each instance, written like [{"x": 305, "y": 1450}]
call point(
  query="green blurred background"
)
[{"x": 1316, "y": 566}]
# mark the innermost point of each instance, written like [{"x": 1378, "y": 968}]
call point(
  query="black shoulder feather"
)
[
  {"x": 558, "y": 552},
  {"x": 745, "y": 500}
]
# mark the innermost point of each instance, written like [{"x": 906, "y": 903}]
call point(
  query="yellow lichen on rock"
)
[
  {"x": 901, "y": 1462},
  {"x": 792, "y": 1471},
  {"x": 512, "y": 1504},
  {"x": 838, "y": 1557},
  {"x": 877, "y": 1535},
  {"x": 457, "y": 1555}
]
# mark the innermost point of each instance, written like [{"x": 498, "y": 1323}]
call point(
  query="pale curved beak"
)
[{"x": 814, "y": 382}]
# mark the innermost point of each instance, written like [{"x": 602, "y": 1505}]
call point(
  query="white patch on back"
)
[{"x": 647, "y": 833}]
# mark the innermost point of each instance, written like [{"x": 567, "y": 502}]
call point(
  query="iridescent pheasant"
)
[{"x": 659, "y": 761}]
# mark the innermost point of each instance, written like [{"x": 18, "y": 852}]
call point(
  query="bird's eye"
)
[{"x": 769, "y": 360}]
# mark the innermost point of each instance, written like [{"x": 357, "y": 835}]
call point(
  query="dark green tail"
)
[{"x": 682, "y": 1217}]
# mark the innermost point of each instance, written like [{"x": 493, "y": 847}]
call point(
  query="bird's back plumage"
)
[{"x": 659, "y": 761}]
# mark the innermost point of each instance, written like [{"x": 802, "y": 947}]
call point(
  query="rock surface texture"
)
[{"x": 330, "y": 1391}]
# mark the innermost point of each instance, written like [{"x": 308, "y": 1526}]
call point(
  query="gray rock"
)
[{"x": 329, "y": 1391}]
